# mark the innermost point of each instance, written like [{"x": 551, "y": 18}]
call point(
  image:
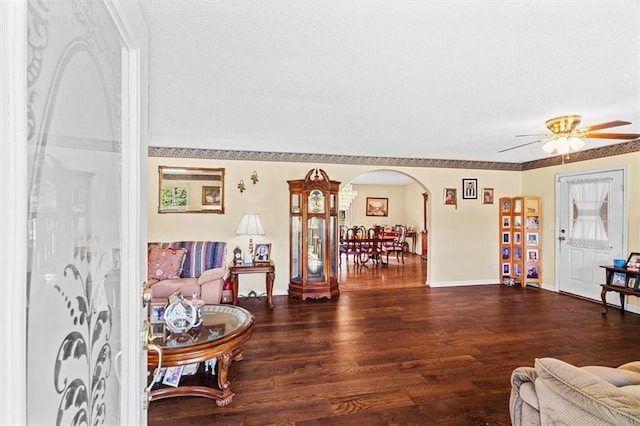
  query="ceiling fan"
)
[{"x": 565, "y": 136}]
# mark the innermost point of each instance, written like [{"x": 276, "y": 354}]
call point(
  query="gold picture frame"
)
[{"x": 377, "y": 206}]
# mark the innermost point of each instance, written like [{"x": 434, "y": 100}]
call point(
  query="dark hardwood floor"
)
[{"x": 391, "y": 351}]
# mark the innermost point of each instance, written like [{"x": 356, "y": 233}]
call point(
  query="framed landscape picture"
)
[{"x": 377, "y": 206}]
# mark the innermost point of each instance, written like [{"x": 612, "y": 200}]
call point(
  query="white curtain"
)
[{"x": 588, "y": 228}]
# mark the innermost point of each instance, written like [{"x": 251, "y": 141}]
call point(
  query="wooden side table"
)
[
  {"x": 267, "y": 268},
  {"x": 621, "y": 287}
]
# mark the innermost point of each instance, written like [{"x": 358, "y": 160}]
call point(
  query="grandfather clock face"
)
[{"x": 316, "y": 201}]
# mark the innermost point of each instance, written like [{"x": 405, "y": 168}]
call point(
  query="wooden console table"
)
[
  {"x": 622, "y": 276},
  {"x": 267, "y": 268}
]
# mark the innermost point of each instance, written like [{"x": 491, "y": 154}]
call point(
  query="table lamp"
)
[{"x": 249, "y": 225}]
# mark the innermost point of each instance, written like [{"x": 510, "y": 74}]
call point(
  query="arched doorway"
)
[{"x": 405, "y": 202}]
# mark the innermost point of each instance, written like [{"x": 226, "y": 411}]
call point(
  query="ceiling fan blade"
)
[
  {"x": 536, "y": 135},
  {"x": 519, "y": 146},
  {"x": 626, "y": 136},
  {"x": 601, "y": 126}
]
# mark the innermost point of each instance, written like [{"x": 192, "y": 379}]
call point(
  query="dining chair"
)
[
  {"x": 397, "y": 246},
  {"x": 349, "y": 245}
]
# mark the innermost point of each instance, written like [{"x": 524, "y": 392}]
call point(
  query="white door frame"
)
[
  {"x": 13, "y": 220},
  {"x": 625, "y": 219},
  {"x": 13, "y": 192}
]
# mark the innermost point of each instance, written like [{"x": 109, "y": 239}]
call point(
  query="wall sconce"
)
[
  {"x": 241, "y": 186},
  {"x": 254, "y": 177}
]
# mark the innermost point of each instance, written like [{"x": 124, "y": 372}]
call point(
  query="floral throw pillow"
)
[{"x": 165, "y": 263}]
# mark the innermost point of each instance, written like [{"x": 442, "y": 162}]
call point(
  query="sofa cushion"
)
[
  {"x": 571, "y": 395},
  {"x": 615, "y": 376},
  {"x": 201, "y": 255},
  {"x": 165, "y": 263},
  {"x": 633, "y": 390}
]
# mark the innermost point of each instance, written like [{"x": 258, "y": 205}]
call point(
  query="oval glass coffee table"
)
[{"x": 224, "y": 330}]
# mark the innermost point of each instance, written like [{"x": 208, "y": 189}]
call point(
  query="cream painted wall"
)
[
  {"x": 463, "y": 245},
  {"x": 542, "y": 182}
]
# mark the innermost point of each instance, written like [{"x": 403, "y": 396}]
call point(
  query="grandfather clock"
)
[{"x": 313, "y": 233}]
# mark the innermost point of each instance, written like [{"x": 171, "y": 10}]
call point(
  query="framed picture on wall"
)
[
  {"x": 487, "y": 195},
  {"x": 450, "y": 196},
  {"x": 210, "y": 195},
  {"x": 377, "y": 206},
  {"x": 469, "y": 189}
]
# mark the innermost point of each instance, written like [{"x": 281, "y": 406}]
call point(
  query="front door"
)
[
  {"x": 85, "y": 364},
  {"x": 590, "y": 229}
]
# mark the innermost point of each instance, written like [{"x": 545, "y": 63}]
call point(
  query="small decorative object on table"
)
[
  {"x": 262, "y": 254},
  {"x": 181, "y": 315},
  {"x": 237, "y": 256},
  {"x": 619, "y": 263},
  {"x": 633, "y": 262},
  {"x": 172, "y": 376}
]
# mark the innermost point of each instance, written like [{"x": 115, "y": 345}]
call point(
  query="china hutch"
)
[
  {"x": 520, "y": 227},
  {"x": 313, "y": 236}
]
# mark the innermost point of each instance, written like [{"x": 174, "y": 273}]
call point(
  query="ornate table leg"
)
[
  {"x": 603, "y": 296},
  {"x": 234, "y": 288},
  {"x": 271, "y": 276},
  {"x": 224, "y": 362}
]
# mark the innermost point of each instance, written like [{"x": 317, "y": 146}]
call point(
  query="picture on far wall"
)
[
  {"x": 377, "y": 206},
  {"x": 487, "y": 195},
  {"x": 469, "y": 189},
  {"x": 450, "y": 196},
  {"x": 210, "y": 195}
]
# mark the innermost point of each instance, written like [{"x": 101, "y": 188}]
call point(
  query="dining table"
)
[{"x": 365, "y": 249}]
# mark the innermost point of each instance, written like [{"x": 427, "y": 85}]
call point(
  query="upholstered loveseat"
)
[
  {"x": 557, "y": 393},
  {"x": 197, "y": 268}
]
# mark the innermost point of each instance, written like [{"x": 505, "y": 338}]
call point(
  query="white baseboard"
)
[{"x": 460, "y": 283}]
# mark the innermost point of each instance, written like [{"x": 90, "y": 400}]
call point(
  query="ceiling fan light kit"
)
[{"x": 566, "y": 136}]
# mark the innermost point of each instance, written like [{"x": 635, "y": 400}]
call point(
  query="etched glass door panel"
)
[{"x": 74, "y": 214}]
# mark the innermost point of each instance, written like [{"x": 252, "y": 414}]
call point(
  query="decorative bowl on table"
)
[{"x": 619, "y": 263}]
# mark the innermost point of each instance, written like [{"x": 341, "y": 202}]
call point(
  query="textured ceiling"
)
[{"x": 412, "y": 79}]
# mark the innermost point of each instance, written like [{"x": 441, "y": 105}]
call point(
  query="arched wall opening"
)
[{"x": 403, "y": 200}]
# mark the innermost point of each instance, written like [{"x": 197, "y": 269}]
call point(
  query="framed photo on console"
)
[
  {"x": 172, "y": 376},
  {"x": 262, "y": 253},
  {"x": 633, "y": 261},
  {"x": 156, "y": 315},
  {"x": 619, "y": 279}
]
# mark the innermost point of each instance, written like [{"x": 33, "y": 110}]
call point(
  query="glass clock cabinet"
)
[{"x": 313, "y": 233}]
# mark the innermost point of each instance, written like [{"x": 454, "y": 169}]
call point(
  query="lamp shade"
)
[{"x": 250, "y": 224}]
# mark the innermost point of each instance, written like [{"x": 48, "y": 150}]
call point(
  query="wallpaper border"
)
[{"x": 218, "y": 154}]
